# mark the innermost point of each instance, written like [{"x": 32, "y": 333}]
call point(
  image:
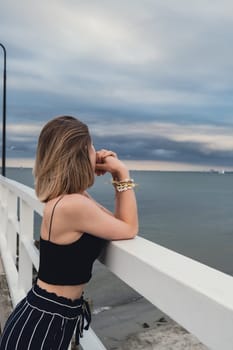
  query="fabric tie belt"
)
[{"x": 85, "y": 315}]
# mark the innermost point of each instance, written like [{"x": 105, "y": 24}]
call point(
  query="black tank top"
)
[{"x": 69, "y": 264}]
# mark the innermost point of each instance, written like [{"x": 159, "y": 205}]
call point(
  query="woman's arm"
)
[
  {"x": 87, "y": 216},
  {"x": 125, "y": 201},
  {"x": 86, "y": 194}
]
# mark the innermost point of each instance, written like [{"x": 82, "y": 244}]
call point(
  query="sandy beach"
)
[{"x": 124, "y": 320}]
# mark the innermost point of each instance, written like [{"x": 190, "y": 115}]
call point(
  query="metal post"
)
[{"x": 4, "y": 115}]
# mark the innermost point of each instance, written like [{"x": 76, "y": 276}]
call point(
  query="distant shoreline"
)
[{"x": 141, "y": 165}]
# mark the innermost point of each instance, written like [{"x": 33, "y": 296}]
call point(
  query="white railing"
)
[{"x": 196, "y": 296}]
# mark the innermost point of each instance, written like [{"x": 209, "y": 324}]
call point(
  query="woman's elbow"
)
[
  {"x": 132, "y": 232},
  {"x": 129, "y": 233}
]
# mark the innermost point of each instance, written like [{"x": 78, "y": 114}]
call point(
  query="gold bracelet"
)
[{"x": 123, "y": 185}]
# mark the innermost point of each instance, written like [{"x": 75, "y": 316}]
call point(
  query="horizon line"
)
[{"x": 143, "y": 165}]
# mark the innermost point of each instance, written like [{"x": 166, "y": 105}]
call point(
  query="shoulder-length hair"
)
[{"x": 62, "y": 164}]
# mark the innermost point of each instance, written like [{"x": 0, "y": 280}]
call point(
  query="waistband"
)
[{"x": 77, "y": 310}]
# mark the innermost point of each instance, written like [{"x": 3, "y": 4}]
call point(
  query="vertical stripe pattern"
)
[{"x": 43, "y": 320}]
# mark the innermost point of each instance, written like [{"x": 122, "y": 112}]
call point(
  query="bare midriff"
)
[{"x": 70, "y": 292}]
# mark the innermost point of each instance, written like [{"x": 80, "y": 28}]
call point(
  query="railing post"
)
[
  {"x": 12, "y": 224},
  {"x": 1, "y": 206},
  {"x": 25, "y": 234},
  {"x": 3, "y": 210}
]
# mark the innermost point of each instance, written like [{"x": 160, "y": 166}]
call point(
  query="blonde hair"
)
[{"x": 62, "y": 164}]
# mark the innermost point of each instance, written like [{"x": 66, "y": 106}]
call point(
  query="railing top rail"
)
[
  {"x": 184, "y": 270},
  {"x": 25, "y": 192}
]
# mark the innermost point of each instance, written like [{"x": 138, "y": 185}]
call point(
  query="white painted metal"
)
[
  {"x": 11, "y": 272},
  {"x": 26, "y": 231},
  {"x": 24, "y": 192},
  {"x": 32, "y": 251},
  {"x": 4, "y": 216},
  {"x": 12, "y": 218},
  {"x": 196, "y": 296},
  {"x": 92, "y": 342}
]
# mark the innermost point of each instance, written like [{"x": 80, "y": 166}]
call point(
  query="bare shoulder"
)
[
  {"x": 76, "y": 206},
  {"x": 64, "y": 203},
  {"x": 75, "y": 202},
  {"x": 67, "y": 217},
  {"x": 78, "y": 210}
]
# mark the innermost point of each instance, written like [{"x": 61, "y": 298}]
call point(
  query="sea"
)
[{"x": 188, "y": 212}]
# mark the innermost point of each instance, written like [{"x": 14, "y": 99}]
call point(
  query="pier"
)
[{"x": 197, "y": 297}]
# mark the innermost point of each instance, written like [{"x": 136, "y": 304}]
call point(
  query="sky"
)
[{"x": 153, "y": 79}]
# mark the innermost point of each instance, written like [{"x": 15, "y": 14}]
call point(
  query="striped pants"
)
[{"x": 45, "y": 321}]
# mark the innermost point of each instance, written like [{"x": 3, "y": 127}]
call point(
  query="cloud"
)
[
  {"x": 163, "y": 153},
  {"x": 197, "y": 144},
  {"x": 209, "y": 136},
  {"x": 24, "y": 129},
  {"x": 150, "y": 53},
  {"x": 154, "y": 79}
]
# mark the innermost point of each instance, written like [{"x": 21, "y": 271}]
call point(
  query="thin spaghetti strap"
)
[{"x": 51, "y": 219}]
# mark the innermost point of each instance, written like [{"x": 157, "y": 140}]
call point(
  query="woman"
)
[{"x": 73, "y": 231}]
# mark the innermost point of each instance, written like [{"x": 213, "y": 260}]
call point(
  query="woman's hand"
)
[{"x": 107, "y": 161}]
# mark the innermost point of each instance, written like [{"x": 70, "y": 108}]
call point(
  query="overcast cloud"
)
[{"x": 153, "y": 79}]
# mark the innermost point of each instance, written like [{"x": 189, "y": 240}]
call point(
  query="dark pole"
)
[{"x": 4, "y": 116}]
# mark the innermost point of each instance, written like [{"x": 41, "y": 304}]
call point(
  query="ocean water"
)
[{"x": 188, "y": 212}]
